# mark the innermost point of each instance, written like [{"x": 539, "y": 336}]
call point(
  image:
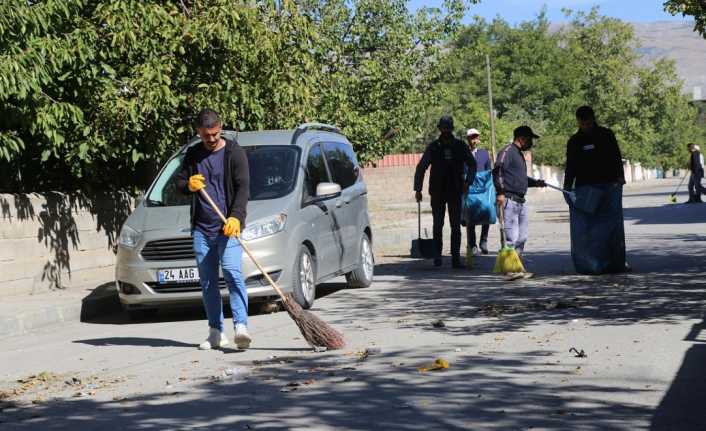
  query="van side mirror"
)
[{"x": 327, "y": 190}]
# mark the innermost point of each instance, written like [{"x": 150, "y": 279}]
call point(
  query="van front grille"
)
[
  {"x": 169, "y": 249},
  {"x": 192, "y": 286}
]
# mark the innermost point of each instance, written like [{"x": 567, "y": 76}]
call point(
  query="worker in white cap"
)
[{"x": 482, "y": 164}]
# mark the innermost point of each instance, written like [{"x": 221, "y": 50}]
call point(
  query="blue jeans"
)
[{"x": 210, "y": 252}]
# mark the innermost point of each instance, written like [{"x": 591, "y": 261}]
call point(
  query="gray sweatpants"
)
[{"x": 516, "y": 218}]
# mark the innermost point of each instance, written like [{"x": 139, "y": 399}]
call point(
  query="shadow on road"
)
[
  {"x": 133, "y": 341},
  {"x": 667, "y": 214},
  {"x": 682, "y": 407},
  {"x": 193, "y": 311},
  {"x": 335, "y": 392}
]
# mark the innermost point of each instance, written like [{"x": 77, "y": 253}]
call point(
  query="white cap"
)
[{"x": 472, "y": 132}]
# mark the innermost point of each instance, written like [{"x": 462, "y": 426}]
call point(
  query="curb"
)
[{"x": 100, "y": 302}]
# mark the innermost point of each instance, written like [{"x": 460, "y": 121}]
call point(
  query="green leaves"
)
[
  {"x": 541, "y": 76},
  {"x": 694, "y": 8},
  {"x": 95, "y": 90}
]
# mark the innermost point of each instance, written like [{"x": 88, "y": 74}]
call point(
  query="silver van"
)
[{"x": 307, "y": 223}]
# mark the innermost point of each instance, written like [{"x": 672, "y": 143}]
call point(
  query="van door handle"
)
[{"x": 347, "y": 200}]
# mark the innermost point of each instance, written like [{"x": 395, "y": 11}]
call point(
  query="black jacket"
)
[
  {"x": 593, "y": 158},
  {"x": 695, "y": 164},
  {"x": 236, "y": 175},
  {"x": 446, "y": 177},
  {"x": 510, "y": 172}
]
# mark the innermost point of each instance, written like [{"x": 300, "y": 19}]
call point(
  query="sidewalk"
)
[{"x": 24, "y": 313}]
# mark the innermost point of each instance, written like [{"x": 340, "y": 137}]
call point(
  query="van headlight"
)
[
  {"x": 264, "y": 227},
  {"x": 129, "y": 237}
]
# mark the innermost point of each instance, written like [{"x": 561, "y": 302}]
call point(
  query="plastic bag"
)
[
  {"x": 598, "y": 238},
  {"x": 478, "y": 206}
]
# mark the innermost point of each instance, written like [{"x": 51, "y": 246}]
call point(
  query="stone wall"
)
[{"x": 58, "y": 241}]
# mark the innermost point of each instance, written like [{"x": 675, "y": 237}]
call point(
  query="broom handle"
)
[
  {"x": 501, "y": 220},
  {"x": 490, "y": 106},
  {"x": 557, "y": 188},
  {"x": 242, "y": 244},
  {"x": 501, "y": 223},
  {"x": 680, "y": 183}
]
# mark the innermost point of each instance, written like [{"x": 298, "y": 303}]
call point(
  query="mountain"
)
[{"x": 676, "y": 41}]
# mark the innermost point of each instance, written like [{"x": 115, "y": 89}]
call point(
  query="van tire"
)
[
  {"x": 304, "y": 278},
  {"x": 362, "y": 276}
]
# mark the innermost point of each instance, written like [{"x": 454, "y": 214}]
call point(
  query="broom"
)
[
  {"x": 508, "y": 260},
  {"x": 316, "y": 332}
]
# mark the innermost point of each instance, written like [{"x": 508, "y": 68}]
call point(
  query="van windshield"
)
[{"x": 273, "y": 174}]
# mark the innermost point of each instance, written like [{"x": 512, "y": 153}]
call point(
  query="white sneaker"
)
[
  {"x": 242, "y": 337},
  {"x": 476, "y": 251},
  {"x": 215, "y": 340}
]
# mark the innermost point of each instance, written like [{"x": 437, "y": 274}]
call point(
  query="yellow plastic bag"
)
[{"x": 439, "y": 364}]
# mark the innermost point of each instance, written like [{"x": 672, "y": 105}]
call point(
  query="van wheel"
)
[
  {"x": 304, "y": 279},
  {"x": 362, "y": 276}
]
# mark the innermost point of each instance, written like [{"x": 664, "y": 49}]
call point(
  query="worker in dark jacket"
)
[
  {"x": 592, "y": 154},
  {"x": 219, "y": 167},
  {"x": 697, "y": 173},
  {"x": 452, "y": 165},
  {"x": 594, "y": 170},
  {"x": 482, "y": 164},
  {"x": 511, "y": 183}
]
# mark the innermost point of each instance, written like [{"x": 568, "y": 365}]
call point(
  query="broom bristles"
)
[
  {"x": 316, "y": 332},
  {"x": 508, "y": 261}
]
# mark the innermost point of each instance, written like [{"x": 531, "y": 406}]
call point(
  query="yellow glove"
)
[
  {"x": 232, "y": 227},
  {"x": 196, "y": 182}
]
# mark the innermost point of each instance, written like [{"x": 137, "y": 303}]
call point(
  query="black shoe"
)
[
  {"x": 484, "y": 247},
  {"x": 437, "y": 261},
  {"x": 457, "y": 264}
]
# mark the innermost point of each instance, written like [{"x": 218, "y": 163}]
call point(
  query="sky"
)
[{"x": 515, "y": 11}]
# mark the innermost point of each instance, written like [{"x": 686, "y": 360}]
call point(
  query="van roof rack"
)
[{"x": 304, "y": 127}]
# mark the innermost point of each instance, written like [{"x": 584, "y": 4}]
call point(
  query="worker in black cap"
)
[
  {"x": 511, "y": 183},
  {"x": 448, "y": 181},
  {"x": 594, "y": 172}
]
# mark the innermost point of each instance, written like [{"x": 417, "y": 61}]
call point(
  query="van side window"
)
[
  {"x": 344, "y": 166},
  {"x": 315, "y": 170}
]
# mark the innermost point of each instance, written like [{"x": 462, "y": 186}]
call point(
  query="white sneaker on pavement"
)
[
  {"x": 242, "y": 337},
  {"x": 215, "y": 340},
  {"x": 476, "y": 251}
]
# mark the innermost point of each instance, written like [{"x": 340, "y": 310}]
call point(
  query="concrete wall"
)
[{"x": 58, "y": 241}]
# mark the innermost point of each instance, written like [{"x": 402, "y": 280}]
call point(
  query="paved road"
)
[{"x": 643, "y": 334}]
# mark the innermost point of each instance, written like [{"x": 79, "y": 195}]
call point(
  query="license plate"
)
[{"x": 178, "y": 275}]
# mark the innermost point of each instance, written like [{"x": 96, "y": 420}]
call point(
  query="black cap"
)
[
  {"x": 525, "y": 131},
  {"x": 446, "y": 121}
]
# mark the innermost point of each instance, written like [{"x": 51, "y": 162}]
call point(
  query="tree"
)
[
  {"x": 92, "y": 91},
  {"x": 542, "y": 74},
  {"x": 695, "y": 8},
  {"x": 89, "y": 90},
  {"x": 377, "y": 59}
]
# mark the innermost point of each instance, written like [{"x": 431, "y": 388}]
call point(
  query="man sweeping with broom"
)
[
  {"x": 511, "y": 183},
  {"x": 220, "y": 168}
]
